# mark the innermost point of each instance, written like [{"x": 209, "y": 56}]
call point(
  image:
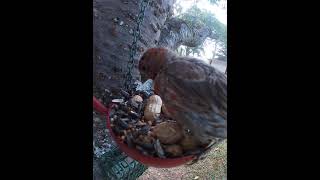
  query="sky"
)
[{"x": 219, "y": 12}]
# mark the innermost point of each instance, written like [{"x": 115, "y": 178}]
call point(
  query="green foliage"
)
[
  {"x": 223, "y": 51},
  {"x": 214, "y": 1},
  {"x": 196, "y": 17}
]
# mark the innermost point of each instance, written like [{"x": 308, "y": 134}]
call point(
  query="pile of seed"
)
[{"x": 161, "y": 137}]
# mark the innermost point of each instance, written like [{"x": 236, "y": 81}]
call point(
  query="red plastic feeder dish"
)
[{"x": 134, "y": 153}]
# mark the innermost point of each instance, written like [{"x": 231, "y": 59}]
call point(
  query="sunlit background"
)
[{"x": 220, "y": 12}]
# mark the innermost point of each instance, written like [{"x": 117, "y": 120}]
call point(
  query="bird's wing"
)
[{"x": 195, "y": 94}]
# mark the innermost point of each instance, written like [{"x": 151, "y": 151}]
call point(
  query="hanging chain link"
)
[{"x": 133, "y": 49}]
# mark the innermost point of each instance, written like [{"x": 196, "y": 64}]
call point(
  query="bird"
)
[{"x": 193, "y": 92}]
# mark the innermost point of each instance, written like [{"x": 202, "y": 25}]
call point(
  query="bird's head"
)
[{"x": 152, "y": 61}]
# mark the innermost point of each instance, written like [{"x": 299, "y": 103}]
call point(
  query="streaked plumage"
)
[{"x": 194, "y": 93}]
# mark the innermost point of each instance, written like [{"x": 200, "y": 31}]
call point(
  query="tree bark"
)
[{"x": 113, "y": 24}]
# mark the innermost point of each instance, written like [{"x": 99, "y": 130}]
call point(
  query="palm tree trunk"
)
[{"x": 113, "y": 24}]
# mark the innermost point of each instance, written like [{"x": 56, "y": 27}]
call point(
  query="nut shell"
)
[
  {"x": 153, "y": 108},
  {"x": 168, "y": 132}
]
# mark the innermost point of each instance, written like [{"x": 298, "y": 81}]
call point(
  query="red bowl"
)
[{"x": 135, "y": 154}]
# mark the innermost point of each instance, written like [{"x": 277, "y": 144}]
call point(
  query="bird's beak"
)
[{"x": 143, "y": 77}]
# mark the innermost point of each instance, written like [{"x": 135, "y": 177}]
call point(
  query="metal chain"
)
[{"x": 133, "y": 49}]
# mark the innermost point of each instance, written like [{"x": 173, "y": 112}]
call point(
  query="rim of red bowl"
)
[{"x": 134, "y": 153}]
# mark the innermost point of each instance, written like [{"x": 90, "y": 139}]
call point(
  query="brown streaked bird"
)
[{"x": 193, "y": 92}]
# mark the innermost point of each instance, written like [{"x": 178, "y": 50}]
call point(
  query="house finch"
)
[{"x": 194, "y": 93}]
